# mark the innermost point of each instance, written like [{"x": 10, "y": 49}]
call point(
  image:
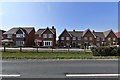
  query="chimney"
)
[
  {"x": 74, "y": 30},
  {"x": 53, "y": 27},
  {"x": 93, "y": 31}
]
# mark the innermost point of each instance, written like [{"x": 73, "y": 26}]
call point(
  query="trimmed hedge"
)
[{"x": 105, "y": 51}]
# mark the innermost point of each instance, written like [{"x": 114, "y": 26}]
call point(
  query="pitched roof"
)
[
  {"x": 40, "y": 31},
  {"x": 99, "y": 34},
  {"x": 87, "y": 31},
  {"x": 117, "y": 34},
  {"x": 76, "y": 33},
  {"x": 15, "y": 29},
  {"x": 66, "y": 31},
  {"x": 106, "y": 33}
]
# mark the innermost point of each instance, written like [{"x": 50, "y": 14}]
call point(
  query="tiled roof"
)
[
  {"x": 40, "y": 31},
  {"x": 76, "y": 33},
  {"x": 15, "y": 29},
  {"x": 99, "y": 34},
  {"x": 106, "y": 33},
  {"x": 117, "y": 34}
]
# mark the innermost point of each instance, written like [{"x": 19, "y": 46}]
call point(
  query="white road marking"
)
[
  {"x": 92, "y": 75},
  {"x": 12, "y": 75}
]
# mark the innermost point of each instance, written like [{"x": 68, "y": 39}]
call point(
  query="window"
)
[
  {"x": 114, "y": 39},
  {"x": 109, "y": 39},
  {"x": 9, "y": 36},
  {"x": 20, "y": 43},
  {"x": 85, "y": 38},
  {"x": 39, "y": 35},
  {"x": 90, "y": 38},
  {"x": 91, "y": 44},
  {"x": 98, "y": 38},
  {"x": 98, "y": 44},
  {"x": 50, "y": 35},
  {"x": 62, "y": 38},
  {"x": 79, "y": 38},
  {"x": 20, "y": 35},
  {"x": 44, "y": 35},
  {"x": 103, "y": 39},
  {"x": 47, "y": 43},
  {"x": 74, "y": 38},
  {"x": 67, "y": 38},
  {"x": 67, "y": 44},
  {"x": 79, "y": 43}
]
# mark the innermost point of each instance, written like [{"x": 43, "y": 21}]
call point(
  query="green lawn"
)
[{"x": 53, "y": 55}]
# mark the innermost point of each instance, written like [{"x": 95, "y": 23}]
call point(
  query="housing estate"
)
[
  {"x": 87, "y": 38},
  {"x": 19, "y": 36},
  {"x": 46, "y": 37}
]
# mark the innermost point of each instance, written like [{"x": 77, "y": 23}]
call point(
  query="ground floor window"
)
[
  {"x": 48, "y": 43},
  {"x": 20, "y": 43}
]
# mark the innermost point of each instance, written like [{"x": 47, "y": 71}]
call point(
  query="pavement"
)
[
  {"x": 44, "y": 49},
  {"x": 60, "y": 68}
]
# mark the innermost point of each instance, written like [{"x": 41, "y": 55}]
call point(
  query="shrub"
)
[{"x": 105, "y": 51}]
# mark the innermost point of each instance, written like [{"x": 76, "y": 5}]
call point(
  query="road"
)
[{"x": 57, "y": 68}]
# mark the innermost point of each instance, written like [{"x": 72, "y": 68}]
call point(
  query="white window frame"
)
[
  {"x": 79, "y": 38},
  {"x": 98, "y": 38},
  {"x": 50, "y": 35},
  {"x": 109, "y": 39},
  {"x": 73, "y": 38},
  {"x": 85, "y": 38},
  {"x": 39, "y": 35},
  {"x": 20, "y": 35},
  {"x": 9, "y": 35},
  {"x": 62, "y": 38},
  {"x": 90, "y": 38},
  {"x": 48, "y": 43},
  {"x": 44, "y": 35},
  {"x": 67, "y": 38},
  {"x": 114, "y": 39},
  {"x": 20, "y": 42}
]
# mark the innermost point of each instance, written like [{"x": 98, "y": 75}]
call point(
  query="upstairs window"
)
[
  {"x": 109, "y": 39},
  {"x": 74, "y": 38},
  {"x": 79, "y": 38},
  {"x": 85, "y": 38},
  {"x": 62, "y": 38},
  {"x": 9, "y": 36},
  {"x": 114, "y": 39},
  {"x": 67, "y": 38},
  {"x": 20, "y": 35},
  {"x": 98, "y": 38},
  {"x": 39, "y": 35},
  {"x": 50, "y": 36},
  {"x": 90, "y": 38},
  {"x": 44, "y": 35}
]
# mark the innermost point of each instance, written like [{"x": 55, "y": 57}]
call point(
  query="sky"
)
[{"x": 98, "y": 16}]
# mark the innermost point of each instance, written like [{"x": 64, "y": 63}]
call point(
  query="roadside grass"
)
[{"x": 53, "y": 55}]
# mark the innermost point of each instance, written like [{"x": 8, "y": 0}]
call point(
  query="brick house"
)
[
  {"x": 86, "y": 38},
  {"x": 1, "y": 33},
  {"x": 46, "y": 37},
  {"x": 19, "y": 36},
  {"x": 118, "y": 37}
]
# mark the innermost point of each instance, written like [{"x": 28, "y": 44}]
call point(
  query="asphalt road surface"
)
[{"x": 58, "y": 68}]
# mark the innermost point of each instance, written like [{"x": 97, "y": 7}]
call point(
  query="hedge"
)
[{"x": 105, "y": 51}]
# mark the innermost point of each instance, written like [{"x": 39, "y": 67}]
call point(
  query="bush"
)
[{"x": 105, "y": 51}]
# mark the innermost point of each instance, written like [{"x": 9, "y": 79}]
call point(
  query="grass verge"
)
[{"x": 53, "y": 55}]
